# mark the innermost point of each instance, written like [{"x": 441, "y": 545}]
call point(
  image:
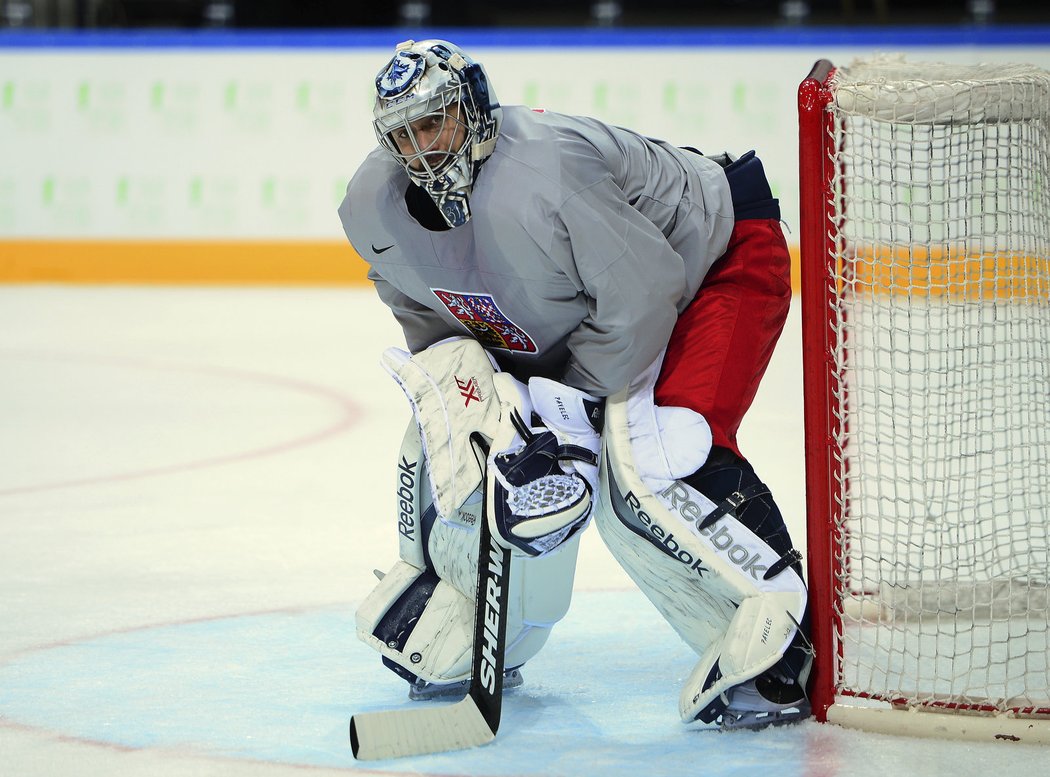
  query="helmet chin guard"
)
[{"x": 433, "y": 84}]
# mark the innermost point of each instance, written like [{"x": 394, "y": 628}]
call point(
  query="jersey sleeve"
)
[
  {"x": 422, "y": 326},
  {"x": 633, "y": 279}
]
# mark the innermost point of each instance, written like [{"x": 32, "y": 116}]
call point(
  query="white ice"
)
[{"x": 194, "y": 491}]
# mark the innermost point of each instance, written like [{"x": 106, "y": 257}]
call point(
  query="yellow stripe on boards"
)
[
  {"x": 181, "y": 262},
  {"x": 193, "y": 262},
  {"x": 938, "y": 272}
]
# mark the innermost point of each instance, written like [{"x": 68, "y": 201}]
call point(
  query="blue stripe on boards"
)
[{"x": 476, "y": 38}]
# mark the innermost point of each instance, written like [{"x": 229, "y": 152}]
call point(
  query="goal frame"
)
[
  {"x": 818, "y": 341},
  {"x": 826, "y": 465}
]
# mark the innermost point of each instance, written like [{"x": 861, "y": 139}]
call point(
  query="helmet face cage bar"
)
[
  {"x": 436, "y": 115},
  {"x": 444, "y": 117}
]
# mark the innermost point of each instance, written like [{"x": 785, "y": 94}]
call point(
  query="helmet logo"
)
[{"x": 401, "y": 73}]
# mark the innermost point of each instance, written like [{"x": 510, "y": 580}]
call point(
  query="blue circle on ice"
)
[{"x": 601, "y": 697}]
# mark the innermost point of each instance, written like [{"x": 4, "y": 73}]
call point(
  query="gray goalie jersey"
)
[{"x": 585, "y": 243}]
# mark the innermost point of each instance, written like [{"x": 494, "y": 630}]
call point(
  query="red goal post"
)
[{"x": 925, "y": 243}]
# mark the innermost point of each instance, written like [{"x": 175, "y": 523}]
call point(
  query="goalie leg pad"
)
[
  {"x": 420, "y": 615},
  {"x": 732, "y": 596},
  {"x": 424, "y": 626},
  {"x": 741, "y": 654}
]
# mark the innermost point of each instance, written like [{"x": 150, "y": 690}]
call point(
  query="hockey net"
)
[{"x": 925, "y": 196}]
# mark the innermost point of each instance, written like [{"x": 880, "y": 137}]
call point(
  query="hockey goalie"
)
[{"x": 588, "y": 313}]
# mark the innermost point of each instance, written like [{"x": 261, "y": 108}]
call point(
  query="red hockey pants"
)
[{"x": 721, "y": 345}]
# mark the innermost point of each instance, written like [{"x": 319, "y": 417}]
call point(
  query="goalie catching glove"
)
[
  {"x": 575, "y": 417},
  {"x": 539, "y": 497}
]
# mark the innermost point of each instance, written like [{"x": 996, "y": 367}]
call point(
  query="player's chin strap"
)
[{"x": 731, "y": 597}]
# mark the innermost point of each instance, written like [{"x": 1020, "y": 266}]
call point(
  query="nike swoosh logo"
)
[{"x": 381, "y": 250}]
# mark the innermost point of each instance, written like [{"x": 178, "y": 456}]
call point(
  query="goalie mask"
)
[{"x": 435, "y": 113}]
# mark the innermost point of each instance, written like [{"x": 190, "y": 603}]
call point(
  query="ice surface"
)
[{"x": 193, "y": 497}]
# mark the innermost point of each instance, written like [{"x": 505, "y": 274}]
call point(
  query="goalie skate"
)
[
  {"x": 764, "y": 701},
  {"x": 421, "y": 690}
]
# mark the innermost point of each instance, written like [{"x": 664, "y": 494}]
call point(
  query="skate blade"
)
[
  {"x": 432, "y": 691},
  {"x": 751, "y": 720}
]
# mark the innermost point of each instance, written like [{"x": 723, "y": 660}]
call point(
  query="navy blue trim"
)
[
  {"x": 630, "y": 521},
  {"x": 426, "y": 525},
  {"x": 397, "y": 623},
  {"x": 471, "y": 38},
  {"x": 752, "y": 198}
]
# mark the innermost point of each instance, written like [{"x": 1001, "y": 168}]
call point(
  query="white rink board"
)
[{"x": 214, "y": 143}]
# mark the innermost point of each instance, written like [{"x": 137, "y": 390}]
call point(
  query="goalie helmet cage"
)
[{"x": 925, "y": 244}]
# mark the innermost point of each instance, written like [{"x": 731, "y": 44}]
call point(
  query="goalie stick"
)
[{"x": 473, "y": 720}]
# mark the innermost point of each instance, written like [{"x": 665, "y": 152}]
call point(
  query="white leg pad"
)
[
  {"x": 756, "y": 638},
  {"x": 421, "y": 614},
  {"x": 699, "y": 615},
  {"x": 708, "y": 583},
  {"x": 438, "y": 644}
]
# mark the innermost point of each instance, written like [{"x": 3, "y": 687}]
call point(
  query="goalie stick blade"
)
[{"x": 420, "y": 731}]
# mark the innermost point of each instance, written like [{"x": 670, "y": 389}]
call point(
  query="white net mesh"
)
[{"x": 941, "y": 311}]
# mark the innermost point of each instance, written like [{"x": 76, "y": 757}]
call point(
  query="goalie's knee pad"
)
[{"x": 704, "y": 541}]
